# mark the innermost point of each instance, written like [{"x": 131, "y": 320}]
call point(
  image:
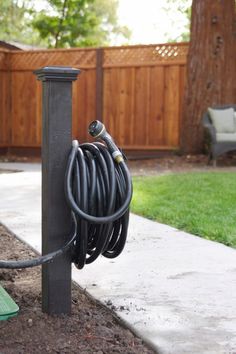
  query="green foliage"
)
[
  {"x": 67, "y": 23},
  {"x": 73, "y": 23},
  {"x": 15, "y": 17},
  {"x": 179, "y": 10},
  {"x": 61, "y": 23},
  {"x": 203, "y": 204}
]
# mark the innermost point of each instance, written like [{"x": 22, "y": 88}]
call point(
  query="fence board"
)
[
  {"x": 141, "y": 105},
  {"x": 5, "y": 100},
  {"x": 142, "y": 89},
  {"x": 171, "y": 103},
  {"x": 84, "y": 98},
  {"x": 156, "y": 121},
  {"x": 23, "y": 109},
  {"x": 182, "y": 81},
  {"x": 127, "y": 105},
  {"x": 4, "y": 108},
  {"x": 111, "y": 103}
]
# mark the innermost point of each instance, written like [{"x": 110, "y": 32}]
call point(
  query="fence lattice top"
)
[
  {"x": 86, "y": 58},
  {"x": 145, "y": 54},
  {"x": 71, "y": 57}
]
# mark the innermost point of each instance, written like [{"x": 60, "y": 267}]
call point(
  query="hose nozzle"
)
[{"x": 97, "y": 130}]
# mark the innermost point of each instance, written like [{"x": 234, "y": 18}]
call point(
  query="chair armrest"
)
[{"x": 212, "y": 131}]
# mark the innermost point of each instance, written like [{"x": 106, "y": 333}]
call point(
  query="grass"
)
[{"x": 203, "y": 204}]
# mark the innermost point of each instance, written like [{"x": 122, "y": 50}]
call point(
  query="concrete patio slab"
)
[{"x": 176, "y": 290}]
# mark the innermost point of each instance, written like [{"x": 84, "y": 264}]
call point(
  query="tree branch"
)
[{"x": 61, "y": 22}]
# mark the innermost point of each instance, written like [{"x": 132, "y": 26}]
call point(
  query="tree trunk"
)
[{"x": 211, "y": 66}]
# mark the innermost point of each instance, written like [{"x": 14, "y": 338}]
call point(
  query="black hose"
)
[
  {"x": 47, "y": 258},
  {"x": 98, "y": 189}
]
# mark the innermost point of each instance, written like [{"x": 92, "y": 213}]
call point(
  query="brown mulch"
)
[
  {"x": 181, "y": 163},
  {"x": 91, "y": 328}
]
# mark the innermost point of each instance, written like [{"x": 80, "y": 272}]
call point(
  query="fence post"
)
[{"x": 56, "y": 220}]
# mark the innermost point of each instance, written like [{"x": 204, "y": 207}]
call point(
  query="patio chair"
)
[{"x": 220, "y": 130}]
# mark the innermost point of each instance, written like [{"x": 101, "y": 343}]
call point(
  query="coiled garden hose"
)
[{"x": 98, "y": 189}]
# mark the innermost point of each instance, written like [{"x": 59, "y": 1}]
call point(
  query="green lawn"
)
[{"x": 203, "y": 204}]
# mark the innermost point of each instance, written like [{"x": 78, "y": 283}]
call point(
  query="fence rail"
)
[{"x": 136, "y": 90}]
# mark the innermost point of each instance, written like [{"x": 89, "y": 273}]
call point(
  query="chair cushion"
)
[
  {"x": 226, "y": 137},
  {"x": 223, "y": 120}
]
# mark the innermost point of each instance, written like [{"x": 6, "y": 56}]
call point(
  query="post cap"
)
[{"x": 57, "y": 73}]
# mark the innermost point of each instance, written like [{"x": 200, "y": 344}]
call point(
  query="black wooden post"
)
[{"x": 56, "y": 219}]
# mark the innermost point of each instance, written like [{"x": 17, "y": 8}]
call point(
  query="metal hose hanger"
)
[{"x": 98, "y": 189}]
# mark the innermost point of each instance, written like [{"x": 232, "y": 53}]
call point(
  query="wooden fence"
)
[{"x": 136, "y": 90}]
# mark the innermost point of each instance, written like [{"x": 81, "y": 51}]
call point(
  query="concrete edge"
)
[{"x": 125, "y": 324}]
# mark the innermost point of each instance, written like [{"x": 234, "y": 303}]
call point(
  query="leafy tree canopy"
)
[
  {"x": 61, "y": 23},
  {"x": 66, "y": 23},
  {"x": 69, "y": 23},
  {"x": 15, "y": 19}
]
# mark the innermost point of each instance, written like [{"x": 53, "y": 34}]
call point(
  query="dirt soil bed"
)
[
  {"x": 91, "y": 328},
  {"x": 181, "y": 163}
]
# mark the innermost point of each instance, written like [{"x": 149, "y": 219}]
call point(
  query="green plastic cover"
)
[{"x": 8, "y": 307}]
